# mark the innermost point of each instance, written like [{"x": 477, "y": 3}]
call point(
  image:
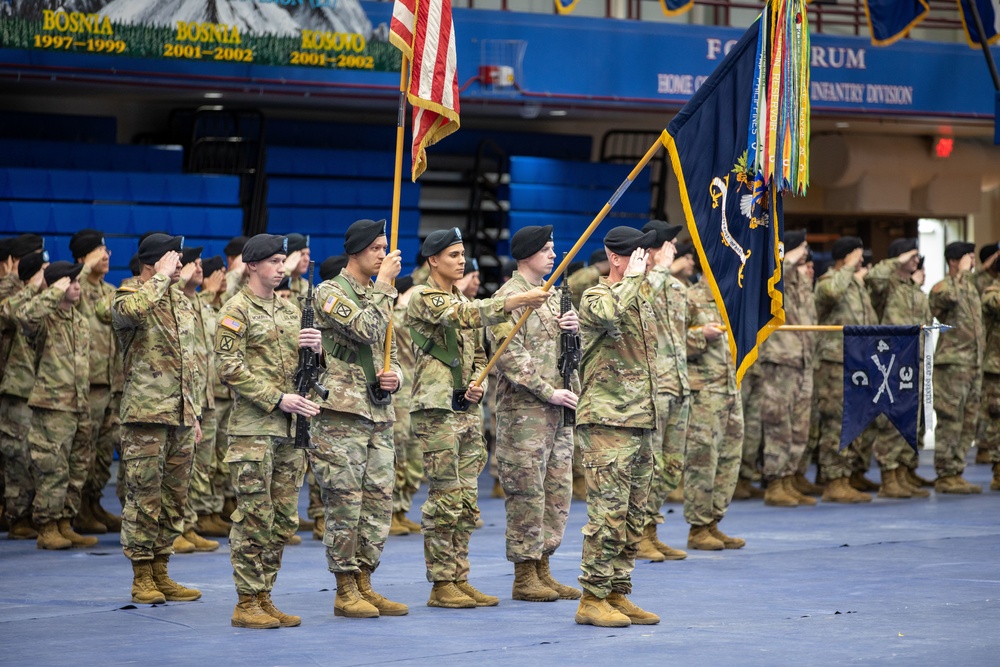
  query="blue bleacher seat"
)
[
  {"x": 17, "y": 216},
  {"x": 58, "y": 127},
  {"x": 342, "y": 192},
  {"x": 111, "y": 186},
  {"x": 110, "y": 157}
]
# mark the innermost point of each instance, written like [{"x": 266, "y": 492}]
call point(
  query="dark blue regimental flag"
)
[
  {"x": 881, "y": 376},
  {"x": 989, "y": 14},
  {"x": 891, "y": 20},
  {"x": 734, "y": 219}
]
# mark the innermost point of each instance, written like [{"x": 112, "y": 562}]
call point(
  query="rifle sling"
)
[
  {"x": 361, "y": 354},
  {"x": 447, "y": 356}
]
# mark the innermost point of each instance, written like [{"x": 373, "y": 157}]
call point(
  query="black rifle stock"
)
[
  {"x": 569, "y": 352},
  {"x": 307, "y": 374}
]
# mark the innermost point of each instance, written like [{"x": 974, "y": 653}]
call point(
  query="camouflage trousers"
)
[
  {"x": 988, "y": 435},
  {"x": 672, "y": 414},
  {"x": 786, "y": 394},
  {"x": 222, "y": 486},
  {"x": 409, "y": 463},
  {"x": 105, "y": 436},
  {"x": 61, "y": 456},
  {"x": 712, "y": 458},
  {"x": 19, "y": 481},
  {"x": 454, "y": 455},
  {"x": 156, "y": 459},
  {"x": 354, "y": 465},
  {"x": 267, "y": 473},
  {"x": 752, "y": 397},
  {"x": 618, "y": 464},
  {"x": 891, "y": 448},
  {"x": 812, "y": 442},
  {"x": 834, "y": 461},
  {"x": 535, "y": 464},
  {"x": 957, "y": 395},
  {"x": 314, "y": 510},
  {"x": 199, "y": 498}
]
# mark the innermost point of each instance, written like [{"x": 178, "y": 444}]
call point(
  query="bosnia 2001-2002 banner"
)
[{"x": 332, "y": 34}]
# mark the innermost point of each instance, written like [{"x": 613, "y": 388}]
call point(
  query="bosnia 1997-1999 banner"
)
[{"x": 332, "y": 34}]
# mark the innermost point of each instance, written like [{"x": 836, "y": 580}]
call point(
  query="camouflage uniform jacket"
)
[
  {"x": 955, "y": 302},
  {"x": 234, "y": 283},
  {"x": 346, "y": 326},
  {"x": 421, "y": 274},
  {"x": 432, "y": 311},
  {"x": 903, "y": 301},
  {"x": 156, "y": 330},
  {"x": 407, "y": 362},
  {"x": 840, "y": 299},
  {"x": 618, "y": 370},
  {"x": 710, "y": 363},
  {"x": 204, "y": 350},
  {"x": 668, "y": 297},
  {"x": 210, "y": 303},
  {"x": 19, "y": 371},
  {"x": 95, "y": 306},
  {"x": 10, "y": 285},
  {"x": 62, "y": 352},
  {"x": 529, "y": 367},
  {"x": 256, "y": 354},
  {"x": 983, "y": 280},
  {"x": 991, "y": 319},
  {"x": 581, "y": 281},
  {"x": 299, "y": 287},
  {"x": 793, "y": 348}
]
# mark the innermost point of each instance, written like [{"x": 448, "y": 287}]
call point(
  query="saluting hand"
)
[
  {"x": 391, "y": 266},
  {"x": 388, "y": 381},
  {"x": 311, "y": 339},
  {"x": 95, "y": 256},
  {"x": 564, "y": 397},
  {"x": 474, "y": 393},
  {"x": 664, "y": 257},
  {"x": 292, "y": 262},
  {"x": 213, "y": 283},
  {"x": 38, "y": 280},
  {"x": 62, "y": 284},
  {"x": 298, "y": 405},
  {"x": 569, "y": 322},
  {"x": 967, "y": 262},
  {"x": 168, "y": 264},
  {"x": 991, "y": 260},
  {"x": 188, "y": 271},
  {"x": 637, "y": 262}
]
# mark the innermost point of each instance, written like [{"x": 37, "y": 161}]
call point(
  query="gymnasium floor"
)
[{"x": 913, "y": 582}]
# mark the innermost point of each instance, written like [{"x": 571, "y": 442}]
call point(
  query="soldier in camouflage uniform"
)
[
  {"x": 353, "y": 459},
  {"x": 106, "y": 377},
  {"x": 668, "y": 296},
  {"x": 840, "y": 299},
  {"x": 534, "y": 449},
  {"x": 898, "y": 300},
  {"x": 159, "y": 414},
  {"x": 15, "y": 388},
  {"x": 446, "y": 329},
  {"x": 988, "y": 284},
  {"x": 409, "y": 457},
  {"x": 59, "y": 437},
  {"x": 616, "y": 419},
  {"x": 958, "y": 364},
  {"x": 257, "y": 353}
]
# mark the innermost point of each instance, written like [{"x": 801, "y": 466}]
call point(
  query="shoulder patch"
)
[
  {"x": 232, "y": 324},
  {"x": 437, "y": 301},
  {"x": 127, "y": 289}
]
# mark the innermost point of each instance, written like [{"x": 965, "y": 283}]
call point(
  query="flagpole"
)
[
  {"x": 985, "y": 44},
  {"x": 572, "y": 253},
  {"x": 397, "y": 184}
]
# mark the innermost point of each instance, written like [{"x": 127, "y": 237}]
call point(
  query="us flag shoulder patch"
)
[
  {"x": 232, "y": 324},
  {"x": 330, "y": 302}
]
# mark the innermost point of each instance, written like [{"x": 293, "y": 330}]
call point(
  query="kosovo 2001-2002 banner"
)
[{"x": 326, "y": 34}]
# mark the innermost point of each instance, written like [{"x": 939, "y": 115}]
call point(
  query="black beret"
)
[
  {"x": 507, "y": 267},
  {"x": 25, "y": 244},
  {"x": 920, "y": 263},
  {"x": 471, "y": 266},
  {"x": 84, "y": 241},
  {"x": 297, "y": 242},
  {"x": 573, "y": 268},
  {"x": 900, "y": 246},
  {"x": 529, "y": 240},
  {"x": 686, "y": 248},
  {"x": 57, "y": 270},
  {"x": 263, "y": 246},
  {"x": 403, "y": 283},
  {"x": 958, "y": 249},
  {"x": 4, "y": 249},
  {"x": 987, "y": 251},
  {"x": 191, "y": 253},
  {"x": 794, "y": 239},
  {"x": 361, "y": 234},
  {"x": 664, "y": 231},
  {"x": 31, "y": 264},
  {"x": 844, "y": 246},
  {"x": 211, "y": 265},
  {"x": 155, "y": 246},
  {"x": 331, "y": 267},
  {"x": 439, "y": 240},
  {"x": 597, "y": 256},
  {"x": 625, "y": 240},
  {"x": 284, "y": 285},
  {"x": 235, "y": 246},
  {"x": 134, "y": 265}
]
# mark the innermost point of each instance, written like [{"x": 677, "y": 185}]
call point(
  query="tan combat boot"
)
[
  {"x": 789, "y": 483},
  {"x": 497, "y": 490},
  {"x": 66, "y": 530},
  {"x": 636, "y": 615},
  {"x": 267, "y": 606},
  {"x": 955, "y": 484},
  {"x": 385, "y": 606},
  {"x": 294, "y": 540},
  {"x": 170, "y": 588},
  {"x": 112, "y": 521},
  {"x": 228, "y": 507},
  {"x": 319, "y": 529},
  {"x": 804, "y": 486},
  {"x": 669, "y": 553},
  {"x": 861, "y": 483},
  {"x": 349, "y": 602},
  {"x": 995, "y": 484},
  {"x": 206, "y": 526},
  {"x": 144, "y": 591},
  {"x": 182, "y": 545},
  {"x": 222, "y": 522},
  {"x": 85, "y": 521},
  {"x": 199, "y": 542},
  {"x": 903, "y": 478},
  {"x": 481, "y": 599},
  {"x": 727, "y": 541},
  {"x": 841, "y": 491},
  {"x": 248, "y": 614},
  {"x": 982, "y": 455},
  {"x": 646, "y": 550},
  {"x": 777, "y": 495},
  {"x": 447, "y": 595},
  {"x": 22, "y": 529},
  {"x": 596, "y": 611},
  {"x": 891, "y": 486},
  {"x": 916, "y": 480},
  {"x": 395, "y": 527},
  {"x": 412, "y": 526},
  {"x": 677, "y": 495},
  {"x": 700, "y": 538},
  {"x": 545, "y": 576},
  {"x": 49, "y": 537},
  {"x": 579, "y": 488},
  {"x": 528, "y": 587}
]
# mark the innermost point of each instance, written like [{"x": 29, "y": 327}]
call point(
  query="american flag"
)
[{"x": 423, "y": 31}]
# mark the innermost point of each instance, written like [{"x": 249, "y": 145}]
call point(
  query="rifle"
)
[
  {"x": 569, "y": 352},
  {"x": 307, "y": 374}
]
